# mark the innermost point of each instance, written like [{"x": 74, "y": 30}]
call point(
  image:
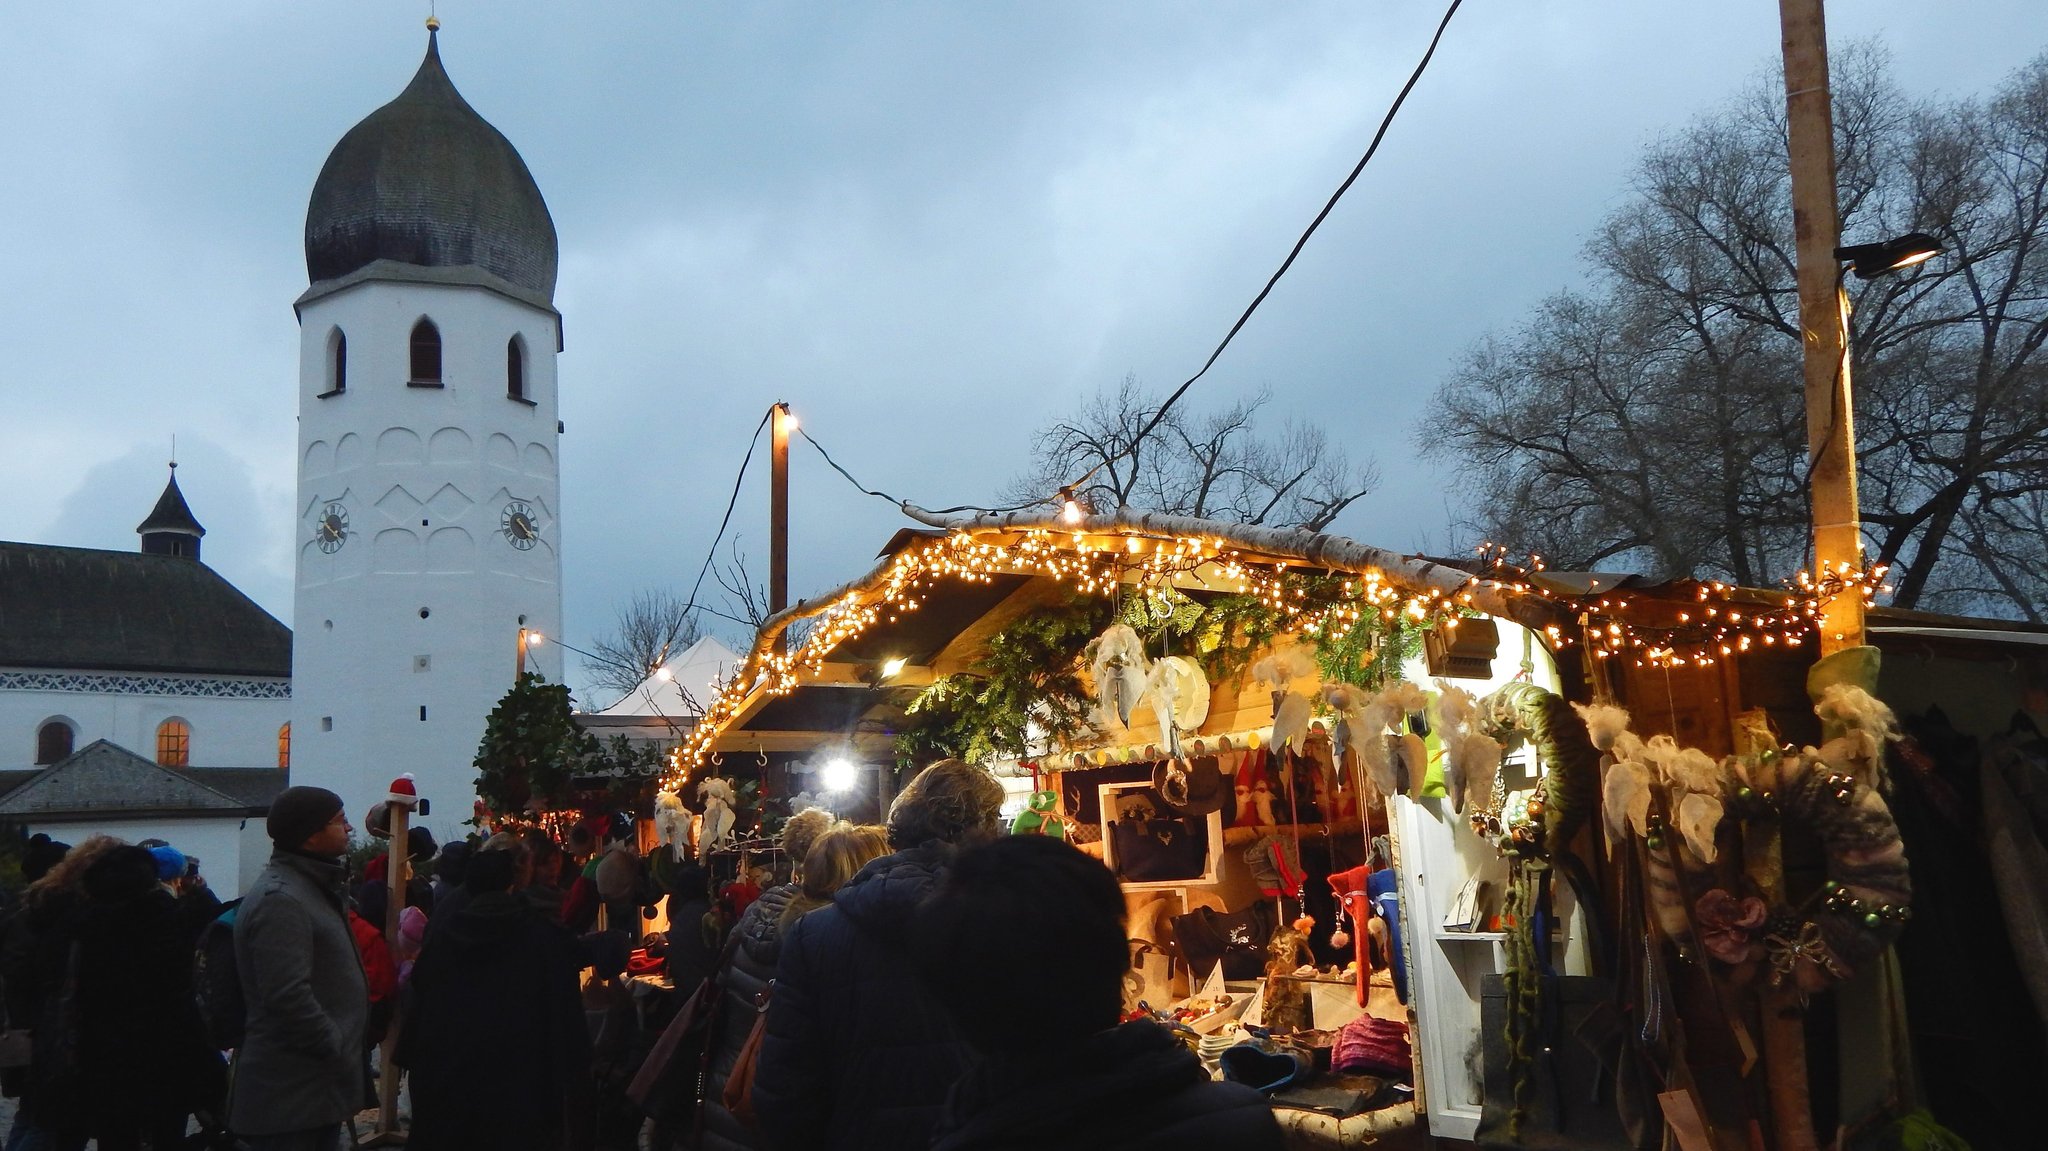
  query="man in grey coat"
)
[{"x": 299, "y": 1073}]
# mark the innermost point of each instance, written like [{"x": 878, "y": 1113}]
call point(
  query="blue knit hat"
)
[{"x": 170, "y": 862}]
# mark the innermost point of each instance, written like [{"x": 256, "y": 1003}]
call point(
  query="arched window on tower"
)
[
  {"x": 426, "y": 354},
  {"x": 337, "y": 362},
  {"x": 174, "y": 743},
  {"x": 515, "y": 368},
  {"x": 284, "y": 747},
  {"x": 53, "y": 741}
]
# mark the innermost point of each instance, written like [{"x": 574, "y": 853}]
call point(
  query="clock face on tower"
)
[
  {"x": 518, "y": 526},
  {"x": 330, "y": 528}
]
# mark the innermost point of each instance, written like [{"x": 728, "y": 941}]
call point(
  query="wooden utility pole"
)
[
  {"x": 779, "y": 425},
  {"x": 1823, "y": 317},
  {"x": 519, "y": 668},
  {"x": 1831, "y": 452},
  {"x": 398, "y": 873}
]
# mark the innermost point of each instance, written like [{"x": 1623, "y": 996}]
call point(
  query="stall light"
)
[
  {"x": 892, "y": 667},
  {"x": 664, "y": 674},
  {"x": 838, "y": 774}
]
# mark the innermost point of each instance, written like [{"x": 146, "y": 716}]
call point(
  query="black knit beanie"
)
[{"x": 298, "y": 812}]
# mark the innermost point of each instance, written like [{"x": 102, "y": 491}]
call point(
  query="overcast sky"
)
[{"x": 930, "y": 227}]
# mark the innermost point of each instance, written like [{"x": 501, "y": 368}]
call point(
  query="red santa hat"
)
[{"x": 403, "y": 793}]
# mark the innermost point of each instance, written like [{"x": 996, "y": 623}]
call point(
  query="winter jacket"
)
[
  {"x": 755, "y": 945},
  {"x": 134, "y": 1028},
  {"x": 495, "y": 1041},
  {"x": 856, "y": 1053},
  {"x": 308, "y": 1002},
  {"x": 1131, "y": 1088}
]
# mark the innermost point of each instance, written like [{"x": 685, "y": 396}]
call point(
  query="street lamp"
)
[{"x": 1869, "y": 261}]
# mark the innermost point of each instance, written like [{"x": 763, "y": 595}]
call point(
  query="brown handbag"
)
[{"x": 739, "y": 1086}]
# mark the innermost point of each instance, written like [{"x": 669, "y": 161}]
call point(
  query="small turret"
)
[{"x": 171, "y": 529}]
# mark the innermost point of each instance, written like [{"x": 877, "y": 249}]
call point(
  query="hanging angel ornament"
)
[
  {"x": 1119, "y": 670},
  {"x": 717, "y": 795},
  {"x": 672, "y": 824}
]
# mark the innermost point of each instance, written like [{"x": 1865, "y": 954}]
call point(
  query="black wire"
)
[
  {"x": 865, "y": 490},
  {"x": 729, "y": 505},
  {"x": 1299, "y": 244}
]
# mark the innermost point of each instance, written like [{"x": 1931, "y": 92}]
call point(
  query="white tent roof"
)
[{"x": 700, "y": 666}]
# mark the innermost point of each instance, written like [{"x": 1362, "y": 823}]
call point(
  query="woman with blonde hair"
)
[{"x": 835, "y": 858}]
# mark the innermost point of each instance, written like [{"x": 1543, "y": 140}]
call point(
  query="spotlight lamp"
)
[
  {"x": 838, "y": 774},
  {"x": 1870, "y": 261}
]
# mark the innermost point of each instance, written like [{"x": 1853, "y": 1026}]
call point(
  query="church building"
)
[
  {"x": 141, "y": 694},
  {"x": 429, "y": 493}
]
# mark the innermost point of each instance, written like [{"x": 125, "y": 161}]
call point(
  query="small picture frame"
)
[{"x": 1169, "y": 862}]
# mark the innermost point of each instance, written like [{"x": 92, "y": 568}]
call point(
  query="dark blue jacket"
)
[
  {"x": 856, "y": 1055},
  {"x": 1131, "y": 1088}
]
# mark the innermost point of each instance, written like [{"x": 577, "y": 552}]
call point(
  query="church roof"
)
[
  {"x": 171, "y": 513},
  {"x": 425, "y": 181},
  {"x": 108, "y": 781},
  {"x": 86, "y": 609}
]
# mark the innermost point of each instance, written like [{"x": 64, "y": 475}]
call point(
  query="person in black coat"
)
[
  {"x": 495, "y": 1040},
  {"x": 137, "y": 1062},
  {"x": 856, "y": 1054},
  {"x": 1031, "y": 911}
]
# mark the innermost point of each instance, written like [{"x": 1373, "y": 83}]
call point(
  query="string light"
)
[{"x": 1612, "y": 624}]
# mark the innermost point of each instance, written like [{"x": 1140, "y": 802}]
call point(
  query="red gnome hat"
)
[{"x": 404, "y": 794}]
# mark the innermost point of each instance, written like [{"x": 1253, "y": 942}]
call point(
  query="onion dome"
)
[{"x": 424, "y": 181}]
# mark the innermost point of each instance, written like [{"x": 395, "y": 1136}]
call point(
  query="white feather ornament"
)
[
  {"x": 1378, "y": 759},
  {"x": 1863, "y": 724},
  {"x": 1604, "y": 722},
  {"x": 1190, "y": 690},
  {"x": 1698, "y": 818},
  {"x": 1694, "y": 770},
  {"x": 1290, "y": 722},
  {"x": 1625, "y": 799}
]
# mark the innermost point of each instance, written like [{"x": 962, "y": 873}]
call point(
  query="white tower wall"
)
[{"x": 425, "y": 475}]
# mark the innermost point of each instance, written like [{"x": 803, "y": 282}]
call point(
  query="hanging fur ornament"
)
[
  {"x": 1290, "y": 722},
  {"x": 1346, "y": 705},
  {"x": 1604, "y": 722},
  {"x": 1414, "y": 754},
  {"x": 1865, "y": 724},
  {"x": 1470, "y": 755},
  {"x": 672, "y": 824},
  {"x": 717, "y": 795},
  {"x": 1119, "y": 670},
  {"x": 1625, "y": 798}
]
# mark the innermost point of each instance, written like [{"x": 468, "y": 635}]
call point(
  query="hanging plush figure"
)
[
  {"x": 1119, "y": 669},
  {"x": 672, "y": 824},
  {"x": 718, "y": 817}
]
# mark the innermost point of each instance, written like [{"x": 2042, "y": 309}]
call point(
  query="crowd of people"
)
[{"x": 927, "y": 983}]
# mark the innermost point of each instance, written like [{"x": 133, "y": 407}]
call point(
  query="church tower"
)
[{"x": 428, "y": 492}]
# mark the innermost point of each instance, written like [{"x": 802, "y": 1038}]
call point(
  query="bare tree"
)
[
  {"x": 1212, "y": 465},
  {"x": 746, "y": 598},
  {"x": 649, "y": 630},
  {"x": 1656, "y": 419}
]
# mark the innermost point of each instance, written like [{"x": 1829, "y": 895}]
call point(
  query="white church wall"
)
[
  {"x": 229, "y": 728},
  {"x": 405, "y": 634}
]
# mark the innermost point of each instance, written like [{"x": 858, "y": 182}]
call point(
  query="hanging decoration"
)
[
  {"x": 1677, "y": 802},
  {"x": 717, "y": 796},
  {"x": 672, "y": 824},
  {"x": 1471, "y": 757}
]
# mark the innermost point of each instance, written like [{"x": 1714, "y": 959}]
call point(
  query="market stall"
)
[{"x": 1587, "y": 839}]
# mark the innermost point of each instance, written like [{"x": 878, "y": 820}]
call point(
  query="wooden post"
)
[
  {"x": 779, "y": 425},
  {"x": 1823, "y": 318},
  {"x": 397, "y": 873},
  {"x": 519, "y": 668}
]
